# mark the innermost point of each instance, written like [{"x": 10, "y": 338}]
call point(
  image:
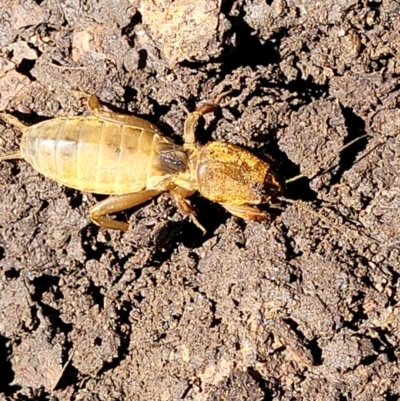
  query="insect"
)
[{"x": 129, "y": 159}]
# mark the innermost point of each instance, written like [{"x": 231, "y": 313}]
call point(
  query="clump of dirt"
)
[{"x": 305, "y": 307}]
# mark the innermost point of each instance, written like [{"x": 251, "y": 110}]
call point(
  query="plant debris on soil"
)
[{"x": 305, "y": 307}]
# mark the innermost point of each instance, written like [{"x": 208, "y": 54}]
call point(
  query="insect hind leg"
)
[{"x": 98, "y": 213}]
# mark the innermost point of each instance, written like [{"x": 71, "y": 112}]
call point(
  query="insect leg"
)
[
  {"x": 192, "y": 119},
  {"x": 247, "y": 212},
  {"x": 115, "y": 204},
  {"x": 95, "y": 108},
  {"x": 191, "y": 122},
  {"x": 185, "y": 207}
]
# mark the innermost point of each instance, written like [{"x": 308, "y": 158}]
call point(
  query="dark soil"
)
[{"x": 303, "y": 308}]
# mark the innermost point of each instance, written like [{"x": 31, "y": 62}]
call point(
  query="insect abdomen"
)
[{"x": 90, "y": 154}]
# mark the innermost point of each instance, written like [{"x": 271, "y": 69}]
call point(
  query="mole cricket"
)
[{"x": 129, "y": 159}]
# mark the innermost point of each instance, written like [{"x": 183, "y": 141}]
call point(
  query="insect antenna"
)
[
  {"x": 314, "y": 171},
  {"x": 327, "y": 220}
]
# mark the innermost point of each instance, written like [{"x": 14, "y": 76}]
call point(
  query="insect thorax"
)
[{"x": 170, "y": 161}]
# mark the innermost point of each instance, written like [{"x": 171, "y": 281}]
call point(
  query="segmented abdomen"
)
[{"x": 90, "y": 154}]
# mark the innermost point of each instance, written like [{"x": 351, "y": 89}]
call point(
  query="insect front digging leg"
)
[
  {"x": 247, "y": 212},
  {"x": 116, "y": 204}
]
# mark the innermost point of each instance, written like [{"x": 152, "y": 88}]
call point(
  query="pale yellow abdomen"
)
[{"x": 90, "y": 154}]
